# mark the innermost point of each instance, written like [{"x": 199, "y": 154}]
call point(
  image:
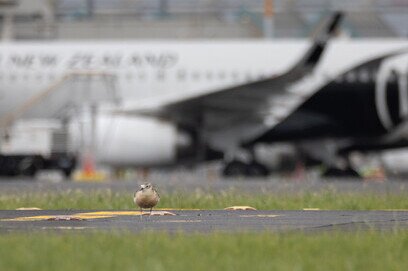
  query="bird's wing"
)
[{"x": 156, "y": 192}]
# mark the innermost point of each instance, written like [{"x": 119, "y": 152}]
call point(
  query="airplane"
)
[{"x": 194, "y": 101}]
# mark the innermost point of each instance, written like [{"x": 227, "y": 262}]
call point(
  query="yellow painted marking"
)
[
  {"x": 32, "y": 218},
  {"x": 91, "y": 215},
  {"x": 28, "y": 218},
  {"x": 66, "y": 228},
  {"x": 311, "y": 209},
  {"x": 28, "y": 209},
  {"x": 161, "y": 213},
  {"x": 234, "y": 208},
  {"x": 96, "y": 176},
  {"x": 108, "y": 213}
]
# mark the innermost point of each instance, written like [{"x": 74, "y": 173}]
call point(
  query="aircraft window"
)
[
  {"x": 196, "y": 76},
  {"x": 351, "y": 77},
  {"x": 209, "y": 75},
  {"x": 181, "y": 75},
  {"x": 161, "y": 75},
  {"x": 141, "y": 76},
  {"x": 234, "y": 75},
  {"x": 221, "y": 75},
  {"x": 248, "y": 76},
  {"x": 364, "y": 76}
]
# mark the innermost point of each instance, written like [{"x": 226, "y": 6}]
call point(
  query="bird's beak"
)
[{"x": 142, "y": 187}]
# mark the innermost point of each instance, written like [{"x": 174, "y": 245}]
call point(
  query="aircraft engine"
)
[{"x": 131, "y": 141}]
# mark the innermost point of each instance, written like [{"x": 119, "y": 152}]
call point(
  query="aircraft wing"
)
[{"x": 254, "y": 106}]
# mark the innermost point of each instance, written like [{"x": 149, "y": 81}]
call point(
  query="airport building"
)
[{"x": 199, "y": 19}]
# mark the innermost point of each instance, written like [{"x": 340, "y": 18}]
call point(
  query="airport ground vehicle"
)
[
  {"x": 33, "y": 146},
  {"x": 29, "y": 164}
]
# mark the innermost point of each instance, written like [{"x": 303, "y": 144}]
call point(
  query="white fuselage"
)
[
  {"x": 161, "y": 71},
  {"x": 156, "y": 73}
]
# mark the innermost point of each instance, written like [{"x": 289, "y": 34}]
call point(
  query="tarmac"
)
[
  {"x": 202, "y": 221},
  {"x": 184, "y": 183}
]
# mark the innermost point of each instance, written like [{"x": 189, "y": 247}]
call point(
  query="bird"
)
[{"x": 146, "y": 197}]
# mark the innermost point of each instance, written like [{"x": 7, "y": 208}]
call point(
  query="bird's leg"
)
[
  {"x": 141, "y": 213},
  {"x": 151, "y": 211}
]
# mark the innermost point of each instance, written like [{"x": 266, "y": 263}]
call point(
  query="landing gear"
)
[
  {"x": 234, "y": 168},
  {"x": 237, "y": 168},
  {"x": 257, "y": 169},
  {"x": 29, "y": 166},
  {"x": 333, "y": 172}
]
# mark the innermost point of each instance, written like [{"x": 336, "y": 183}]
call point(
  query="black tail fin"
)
[{"x": 320, "y": 41}]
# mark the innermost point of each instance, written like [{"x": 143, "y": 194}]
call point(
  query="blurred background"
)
[
  {"x": 183, "y": 20},
  {"x": 205, "y": 19}
]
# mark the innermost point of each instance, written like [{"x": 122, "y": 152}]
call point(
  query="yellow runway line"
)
[
  {"x": 30, "y": 218},
  {"x": 49, "y": 217},
  {"x": 107, "y": 213},
  {"x": 78, "y": 216},
  {"x": 28, "y": 209},
  {"x": 236, "y": 208}
]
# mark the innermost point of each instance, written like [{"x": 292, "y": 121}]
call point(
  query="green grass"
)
[
  {"x": 216, "y": 251},
  {"x": 106, "y": 199},
  {"x": 361, "y": 250}
]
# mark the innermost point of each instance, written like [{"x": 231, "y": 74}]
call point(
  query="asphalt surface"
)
[
  {"x": 183, "y": 183},
  {"x": 202, "y": 221}
]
